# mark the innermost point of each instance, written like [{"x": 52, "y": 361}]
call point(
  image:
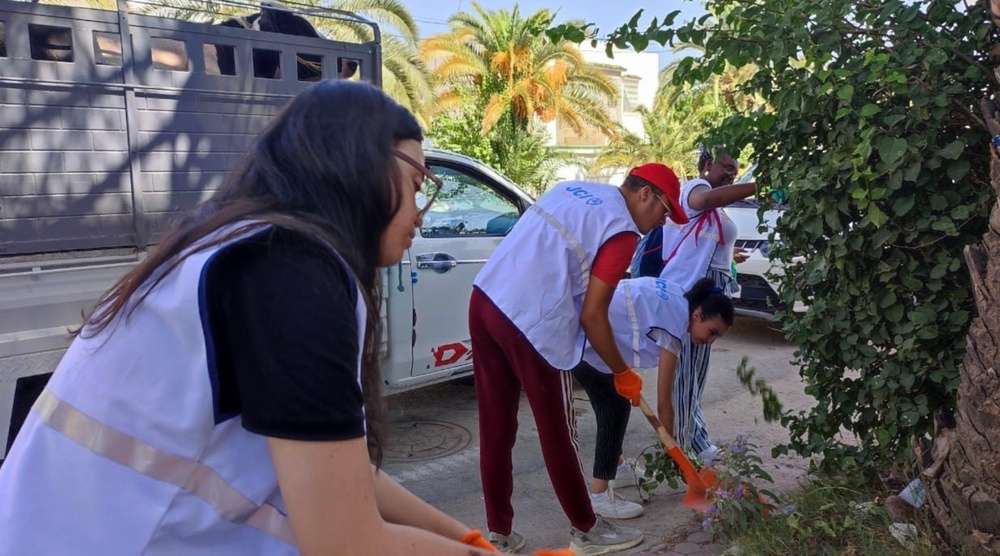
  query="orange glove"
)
[
  {"x": 475, "y": 538},
  {"x": 554, "y": 552},
  {"x": 628, "y": 384}
]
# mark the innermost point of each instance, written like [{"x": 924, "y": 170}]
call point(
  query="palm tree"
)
[
  {"x": 506, "y": 59},
  {"x": 404, "y": 76},
  {"x": 671, "y": 128},
  {"x": 680, "y": 113},
  {"x": 666, "y": 140}
]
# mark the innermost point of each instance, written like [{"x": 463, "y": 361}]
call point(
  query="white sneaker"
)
[
  {"x": 509, "y": 544},
  {"x": 611, "y": 505},
  {"x": 628, "y": 476},
  {"x": 709, "y": 454},
  {"x": 604, "y": 537},
  {"x": 624, "y": 476}
]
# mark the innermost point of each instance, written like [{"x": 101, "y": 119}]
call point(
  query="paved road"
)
[{"x": 434, "y": 446}]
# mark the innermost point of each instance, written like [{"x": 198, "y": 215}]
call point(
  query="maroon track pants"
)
[{"x": 504, "y": 362}]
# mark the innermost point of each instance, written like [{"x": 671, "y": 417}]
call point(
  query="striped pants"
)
[
  {"x": 689, "y": 383},
  {"x": 611, "y": 411}
]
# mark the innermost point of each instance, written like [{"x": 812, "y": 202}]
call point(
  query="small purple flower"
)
[
  {"x": 721, "y": 493},
  {"x": 707, "y": 523},
  {"x": 739, "y": 446},
  {"x": 739, "y": 492},
  {"x": 713, "y": 508}
]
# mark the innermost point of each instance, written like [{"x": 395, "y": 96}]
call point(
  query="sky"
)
[{"x": 432, "y": 15}]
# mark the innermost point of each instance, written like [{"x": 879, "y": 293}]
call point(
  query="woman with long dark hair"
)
[
  {"x": 653, "y": 320},
  {"x": 223, "y": 397}
]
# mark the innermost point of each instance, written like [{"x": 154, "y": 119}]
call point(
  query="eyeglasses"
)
[
  {"x": 662, "y": 202},
  {"x": 430, "y": 190}
]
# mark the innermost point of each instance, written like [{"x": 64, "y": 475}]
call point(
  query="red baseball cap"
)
[{"x": 663, "y": 178}]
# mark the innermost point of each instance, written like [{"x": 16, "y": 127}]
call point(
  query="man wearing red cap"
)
[{"x": 543, "y": 294}]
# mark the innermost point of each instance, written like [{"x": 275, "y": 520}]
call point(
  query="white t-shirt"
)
[
  {"x": 706, "y": 241},
  {"x": 722, "y": 259}
]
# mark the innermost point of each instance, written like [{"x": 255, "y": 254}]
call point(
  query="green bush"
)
[{"x": 873, "y": 127}]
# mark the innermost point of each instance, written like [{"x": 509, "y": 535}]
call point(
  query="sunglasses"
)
[{"x": 431, "y": 190}]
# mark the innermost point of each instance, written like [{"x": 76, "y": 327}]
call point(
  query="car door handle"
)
[{"x": 438, "y": 262}]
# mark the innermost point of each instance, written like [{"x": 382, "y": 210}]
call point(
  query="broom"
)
[{"x": 698, "y": 482}]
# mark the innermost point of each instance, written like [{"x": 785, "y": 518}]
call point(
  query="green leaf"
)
[
  {"x": 890, "y": 149},
  {"x": 846, "y": 93},
  {"x": 766, "y": 122},
  {"x": 893, "y": 119},
  {"x": 903, "y": 205},
  {"x": 952, "y": 150},
  {"x": 876, "y": 215},
  {"x": 894, "y": 313},
  {"x": 883, "y": 436},
  {"x": 870, "y": 110},
  {"x": 958, "y": 169}
]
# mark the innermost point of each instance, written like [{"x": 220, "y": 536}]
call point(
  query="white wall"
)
[{"x": 645, "y": 65}]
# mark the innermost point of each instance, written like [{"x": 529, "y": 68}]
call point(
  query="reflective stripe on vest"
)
[
  {"x": 634, "y": 321},
  {"x": 192, "y": 476},
  {"x": 581, "y": 254}
]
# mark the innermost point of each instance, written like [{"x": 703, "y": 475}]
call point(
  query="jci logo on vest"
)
[
  {"x": 661, "y": 289},
  {"x": 581, "y": 193}
]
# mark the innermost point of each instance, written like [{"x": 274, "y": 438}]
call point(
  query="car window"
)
[
  {"x": 747, "y": 175},
  {"x": 467, "y": 206}
]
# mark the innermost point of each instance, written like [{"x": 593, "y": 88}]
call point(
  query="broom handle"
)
[{"x": 668, "y": 441}]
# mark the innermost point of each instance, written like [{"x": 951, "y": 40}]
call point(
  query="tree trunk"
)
[{"x": 963, "y": 484}]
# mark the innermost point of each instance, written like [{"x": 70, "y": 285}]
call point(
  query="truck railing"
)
[
  {"x": 111, "y": 123},
  {"x": 102, "y": 148}
]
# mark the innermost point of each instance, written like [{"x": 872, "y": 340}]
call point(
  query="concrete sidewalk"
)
[{"x": 434, "y": 447}]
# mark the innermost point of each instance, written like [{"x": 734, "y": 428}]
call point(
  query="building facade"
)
[{"x": 636, "y": 74}]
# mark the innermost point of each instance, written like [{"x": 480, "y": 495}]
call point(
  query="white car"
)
[
  {"x": 758, "y": 295},
  {"x": 757, "y": 276}
]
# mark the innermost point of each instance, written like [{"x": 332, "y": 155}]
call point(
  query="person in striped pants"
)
[{"x": 702, "y": 248}]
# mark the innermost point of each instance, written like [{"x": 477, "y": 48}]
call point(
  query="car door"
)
[{"x": 473, "y": 213}]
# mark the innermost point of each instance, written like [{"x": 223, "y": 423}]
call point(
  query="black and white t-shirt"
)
[{"x": 279, "y": 313}]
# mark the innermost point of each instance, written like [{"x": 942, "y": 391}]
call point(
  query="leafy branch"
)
[{"x": 769, "y": 398}]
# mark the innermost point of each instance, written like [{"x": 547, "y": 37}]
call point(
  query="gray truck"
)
[{"x": 112, "y": 122}]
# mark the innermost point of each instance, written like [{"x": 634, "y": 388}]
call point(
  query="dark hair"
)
[
  {"x": 324, "y": 167},
  {"x": 635, "y": 183},
  {"x": 705, "y": 156},
  {"x": 708, "y": 297}
]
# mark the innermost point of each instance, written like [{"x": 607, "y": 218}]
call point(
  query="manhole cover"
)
[{"x": 424, "y": 440}]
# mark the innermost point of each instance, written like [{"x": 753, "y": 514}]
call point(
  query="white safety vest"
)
[
  {"x": 122, "y": 454},
  {"x": 706, "y": 241},
  {"x": 539, "y": 273},
  {"x": 640, "y": 308}
]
